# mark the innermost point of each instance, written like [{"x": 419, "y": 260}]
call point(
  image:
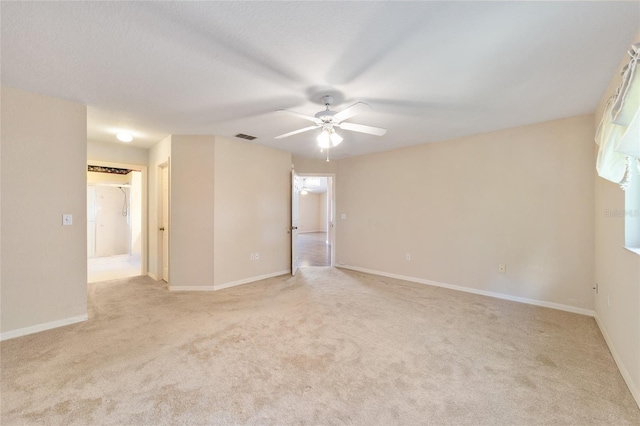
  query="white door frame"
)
[
  {"x": 293, "y": 228},
  {"x": 332, "y": 235},
  {"x": 144, "y": 212}
]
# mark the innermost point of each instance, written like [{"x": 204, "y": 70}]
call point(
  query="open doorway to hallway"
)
[
  {"x": 114, "y": 222},
  {"x": 315, "y": 220}
]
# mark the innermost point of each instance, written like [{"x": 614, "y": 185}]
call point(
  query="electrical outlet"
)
[
  {"x": 252, "y": 256},
  {"x": 407, "y": 256},
  {"x": 502, "y": 268},
  {"x": 257, "y": 256}
]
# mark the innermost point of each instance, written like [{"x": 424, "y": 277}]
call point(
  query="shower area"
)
[{"x": 114, "y": 223}]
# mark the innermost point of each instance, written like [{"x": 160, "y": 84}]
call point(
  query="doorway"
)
[
  {"x": 313, "y": 209},
  {"x": 115, "y": 232}
]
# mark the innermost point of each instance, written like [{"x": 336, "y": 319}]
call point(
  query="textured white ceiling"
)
[{"x": 431, "y": 70}]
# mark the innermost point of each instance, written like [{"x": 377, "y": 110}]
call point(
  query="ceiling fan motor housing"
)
[{"x": 325, "y": 116}]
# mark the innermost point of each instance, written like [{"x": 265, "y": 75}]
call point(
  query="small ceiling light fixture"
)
[{"x": 124, "y": 137}]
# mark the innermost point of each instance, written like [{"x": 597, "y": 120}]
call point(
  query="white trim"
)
[
  {"x": 152, "y": 275},
  {"x": 42, "y": 327},
  {"x": 543, "y": 303},
  {"x": 635, "y": 392},
  {"x": 229, "y": 284},
  {"x": 635, "y": 250},
  {"x": 252, "y": 279}
]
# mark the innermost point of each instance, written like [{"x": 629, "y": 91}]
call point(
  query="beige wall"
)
[
  {"x": 117, "y": 153},
  {"x": 97, "y": 177},
  {"x": 309, "y": 219},
  {"x": 522, "y": 197},
  {"x": 159, "y": 154},
  {"x": 323, "y": 212},
  {"x": 252, "y": 210},
  {"x": 192, "y": 208},
  {"x": 44, "y": 264},
  {"x": 617, "y": 270},
  {"x": 309, "y": 165}
]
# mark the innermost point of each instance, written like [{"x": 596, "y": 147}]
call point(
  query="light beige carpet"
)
[{"x": 326, "y": 347}]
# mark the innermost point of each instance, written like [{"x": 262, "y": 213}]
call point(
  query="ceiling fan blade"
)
[
  {"x": 378, "y": 131},
  {"x": 349, "y": 112},
  {"x": 295, "y": 132},
  {"x": 299, "y": 115}
]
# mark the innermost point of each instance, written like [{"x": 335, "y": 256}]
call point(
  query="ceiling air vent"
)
[{"x": 247, "y": 137}]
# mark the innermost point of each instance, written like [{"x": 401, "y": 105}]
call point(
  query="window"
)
[{"x": 632, "y": 211}]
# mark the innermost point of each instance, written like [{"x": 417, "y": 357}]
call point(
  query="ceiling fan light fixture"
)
[
  {"x": 324, "y": 140},
  {"x": 329, "y": 139}
]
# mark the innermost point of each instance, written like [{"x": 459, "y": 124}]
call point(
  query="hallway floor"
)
[
  {"x": 113, "y": 267},
  {"x": 313, "y": 249}
]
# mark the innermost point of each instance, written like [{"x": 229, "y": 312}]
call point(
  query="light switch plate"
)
[
  {"x": 67, "y": 219},
  {"x": 343, "y": 216}
]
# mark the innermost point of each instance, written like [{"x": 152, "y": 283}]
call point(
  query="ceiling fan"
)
[{"x": 330, "y": 120}]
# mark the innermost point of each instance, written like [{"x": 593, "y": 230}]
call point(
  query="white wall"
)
[
  {"x": 522, "y": 197},
  {"x": 112, "y": 230},
  {"x": 251, "y": 211},
  {"x": 159, "y": 154},
  {"x": 44, "y": 264},
  {"x": 192, "y": 211},
  {"x": 617, "y": 270},
  {"x": 128, "y": 240},
  {"x": 108, "y": 231}
]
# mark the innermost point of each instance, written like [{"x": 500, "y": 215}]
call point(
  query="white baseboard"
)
[
  {"x": 42, "y": 327},
  {"x": 152, "y": 275},
  {"x": 543, "y": 303},
  {"x": 623, "y": 370},
  {"x": 229, "y": 284},
  {"x": 191, "y": 288}
]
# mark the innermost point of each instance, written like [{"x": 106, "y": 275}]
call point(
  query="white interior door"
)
[
  {"x": 330, "y": 219},
  {"x": 91, "y": 221},
  {"x": 165, "y": 224},
  {"x": 294, "y": 223}
]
